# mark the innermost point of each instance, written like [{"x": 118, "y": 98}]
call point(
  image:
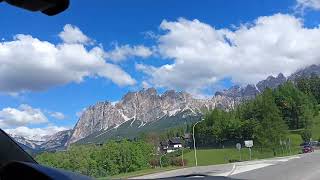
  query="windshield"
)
[{"x": 157, "y": 89}]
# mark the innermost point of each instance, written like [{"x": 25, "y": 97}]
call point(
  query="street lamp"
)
[{"x": 194, "y": 142}]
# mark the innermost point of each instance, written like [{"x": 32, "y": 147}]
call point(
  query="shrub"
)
[
  {"x": 154, "y": 163},
  {"x": 306, "y": 135},
  {"x": 178, "y": 162}
]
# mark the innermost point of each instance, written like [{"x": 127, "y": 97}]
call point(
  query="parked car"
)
[{"x": 307, "y": 149}]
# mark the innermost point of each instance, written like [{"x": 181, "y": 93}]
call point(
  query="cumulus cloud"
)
[
  {"x": 23, "y": 115},
  {"x": 72, "y": 34},
  {"x": 120, "y": 53},
  {"x": 305, "y": 4},
  {"x": 203, "y": 55},
  {"x": 29, "y": 64},
  {"x": 57, "y": 115},
  {"x": 35, "y": 133}
]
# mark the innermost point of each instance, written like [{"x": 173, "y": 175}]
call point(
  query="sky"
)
[{"x": 52, "y": 68}]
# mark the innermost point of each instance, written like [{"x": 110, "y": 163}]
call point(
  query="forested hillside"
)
[{"x": 265, "y": 119}]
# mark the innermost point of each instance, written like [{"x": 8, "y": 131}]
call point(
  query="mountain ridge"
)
[
  {"x": 57, "y": 141},
  {"x": 147, "y": 110}
]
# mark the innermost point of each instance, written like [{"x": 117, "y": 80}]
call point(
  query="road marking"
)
[
  {"x": 227, "y": 173},
  {"x": 287, "y": 159},
  {"x": 241, "y": 169},
  {"x": 249, "y": 166}
]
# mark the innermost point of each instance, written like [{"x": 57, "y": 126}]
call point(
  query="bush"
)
[
  {"x": 154, "y": 163},
  {"x": 109, "y": 159},
  {"x": 165, "y": 161},
  {"x": 306, "y": 135},
  {"x": 234, "y": 160},
  {"x": 178, "y": 162}
]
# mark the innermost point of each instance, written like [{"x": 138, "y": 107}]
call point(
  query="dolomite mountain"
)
[
  {"x": 144, "y": 106},
  {"x": 57, "y": 141},
  {"x": 147, "y": 106},
  {"x": 147, "y": 110}
]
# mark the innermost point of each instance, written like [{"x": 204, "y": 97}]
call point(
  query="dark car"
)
[{"x": 307, "y": 149}]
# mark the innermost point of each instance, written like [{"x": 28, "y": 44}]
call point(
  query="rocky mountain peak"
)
[
  {"x": 271, "y": 82},
  {"x": 250, "y": 91},
  {"x": 281, "y": 76},
  {"x": 144, "y": 106},
  {"x": 151, "y": 91},
  {"x": 305, "y": 72},
  {"x": 57, "y": 141},
  {"x": 233, "y": 92}
]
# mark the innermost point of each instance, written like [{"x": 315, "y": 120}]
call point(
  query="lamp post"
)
[{"x": 194, "y": 142}]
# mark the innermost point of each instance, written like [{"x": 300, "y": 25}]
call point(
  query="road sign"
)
[
  {"x": 238, "y": 146},
  {"x": 248, "y": 143}
]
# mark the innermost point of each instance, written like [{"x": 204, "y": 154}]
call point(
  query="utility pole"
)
[{"x": 194, "y": 142}]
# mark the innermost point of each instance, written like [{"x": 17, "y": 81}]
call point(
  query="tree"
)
[
  {"x": 297, "y": 108},
  {"x": 269, "y": 127},
  {"x": 99, "y": 161},
  {"x": 306, "y": 134}
]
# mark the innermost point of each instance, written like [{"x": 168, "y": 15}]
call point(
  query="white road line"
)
[
  {"x": 226, "y": 173},
  {"x": 252, "y": 165},
  {"x": 241, "y": 169}
]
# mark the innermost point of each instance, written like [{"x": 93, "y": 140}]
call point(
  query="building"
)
[{"x": 171, "y": 145}]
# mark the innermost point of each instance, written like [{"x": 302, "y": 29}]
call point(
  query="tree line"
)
[
  {"x": 99, "y": 161},
  {"x": 265, "y": 119}
]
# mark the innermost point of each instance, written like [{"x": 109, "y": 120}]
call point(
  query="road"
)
[{"x": 304, "y": 166}]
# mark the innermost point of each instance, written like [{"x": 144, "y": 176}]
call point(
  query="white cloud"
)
[
  {"x": 120, "y": 53},
  {"x": 23, "y": 115},
  {"x": 57, "y": 115},
  {"x": 29, "y": 64},
  {"x": 35, "y": 133},
  {"x": 304, "y": 4},
  {"x": 145, "y": 85},
  {"x": 114, "y": 102},
  {"x": 79, "y": 113},
  {"x": 202, "y": 55},
  {"x": 72, "y": 34}
]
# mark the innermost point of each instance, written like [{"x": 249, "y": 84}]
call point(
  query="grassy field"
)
[
  {"x": 139, "y": 173},
  {"x": 221, "y": 156},
  {"x": 316, "y": 128}
]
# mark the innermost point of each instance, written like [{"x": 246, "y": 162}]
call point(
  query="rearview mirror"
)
[{"x": 48, "y": 7}]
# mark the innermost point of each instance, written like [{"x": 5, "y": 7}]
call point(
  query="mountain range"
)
[
  {"x": 147, "y": 110},
  {"x": 57, "y": 141}
]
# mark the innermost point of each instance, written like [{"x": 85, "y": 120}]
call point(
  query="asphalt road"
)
[
  {"x": 204, "y": 170},
  {"x": 306, "y": 167},
  {"x": 298, "y": 167}
]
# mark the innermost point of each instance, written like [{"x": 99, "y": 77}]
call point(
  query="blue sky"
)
[{"x": 188, "y": 36}]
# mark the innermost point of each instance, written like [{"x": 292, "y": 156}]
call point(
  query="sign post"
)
[
  {"x": 238, "y": 146},
  {"x": 249, "y": 144},
  {"x": 285, "y": 145}
]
